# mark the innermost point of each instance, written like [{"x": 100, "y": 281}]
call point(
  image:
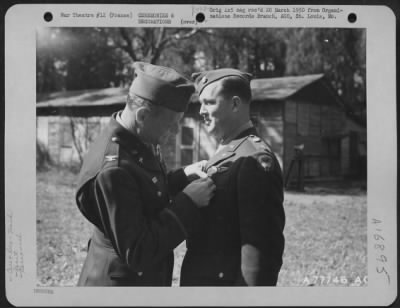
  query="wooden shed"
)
[
  {"x": 301, "y": 110},
  {"x": 287, "y": 111}
]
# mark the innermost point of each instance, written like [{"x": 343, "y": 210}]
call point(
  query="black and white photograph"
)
[
  {"x": 204, "y": 156},
  {"x": 307, "y": 113}
]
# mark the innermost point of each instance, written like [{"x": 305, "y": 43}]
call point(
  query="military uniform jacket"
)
[
  {"x": 241, "y": 241},
  {"x": 138, "y": 213}
]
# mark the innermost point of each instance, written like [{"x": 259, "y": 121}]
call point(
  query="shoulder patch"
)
[
  {"x": 265, "y": 160},
  {"x": 263, "y": 153}
]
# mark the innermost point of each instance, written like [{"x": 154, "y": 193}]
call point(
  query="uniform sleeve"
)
[
  {"x": 260, "y": 199},
  {"x": 177, "y": 181},
  {"x": 139, "y": 240}
]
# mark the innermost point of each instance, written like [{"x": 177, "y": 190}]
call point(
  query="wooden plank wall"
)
[
  {"x": 333, "y": 120},
  {"x": 55, "y": 133},
  {"x": 268, "y": 119},
  {"x": 312, "y": 124}
]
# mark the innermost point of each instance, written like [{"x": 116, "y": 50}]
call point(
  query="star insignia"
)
[{"x": 111, "y": 157}]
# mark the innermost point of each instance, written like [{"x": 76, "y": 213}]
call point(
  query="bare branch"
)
[
  {"x": 78, "y": 148},
  {"x": 154, "y": 51},
  {"x": 128, "y": 46},
  {"x": 186, "y": 35}
]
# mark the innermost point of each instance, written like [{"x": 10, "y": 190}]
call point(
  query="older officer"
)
[
  {"x": 242, "y": 240},
  {"x": 137, "y": 209}
]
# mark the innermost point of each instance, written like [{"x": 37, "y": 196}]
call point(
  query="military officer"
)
[
  {"x": 139, "y": 212},
  {"x": 241, "y": 242}
]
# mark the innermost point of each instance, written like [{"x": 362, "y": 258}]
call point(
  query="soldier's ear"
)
[
  {"x": 236, "y": 102},
  {"x": 141, "y": 114}
]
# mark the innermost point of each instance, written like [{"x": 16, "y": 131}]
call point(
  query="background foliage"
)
[{"x": 90, "y": 58}]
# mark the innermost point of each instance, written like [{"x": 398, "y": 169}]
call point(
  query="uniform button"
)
[
  {"x": 111, "y": 157},
  {"x": 114, "y": 139},
  {"x": 170, "y": 201},
  {"x": 221, "y": 275},
  {"x": 141, "y": 159},
  {"x": 140, "y": 273},
  {"x": 155, "y": 180},
  {"x": 159, "y": 193}
]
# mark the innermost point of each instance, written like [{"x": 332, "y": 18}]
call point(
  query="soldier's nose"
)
[{"x": 202, "y": 111}]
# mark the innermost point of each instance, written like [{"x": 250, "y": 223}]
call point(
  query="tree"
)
[
  {"x": 340, "y": 55},
  {"x": 74, "y": 59},
  {"x": 85, "y": 58}
]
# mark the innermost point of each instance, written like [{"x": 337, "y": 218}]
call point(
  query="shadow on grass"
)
[{"x": 348, "y": 188}]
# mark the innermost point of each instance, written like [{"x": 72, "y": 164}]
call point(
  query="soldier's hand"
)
[
  {"x": 201, "y": 191},
  {"x": 195, "y": 171}
]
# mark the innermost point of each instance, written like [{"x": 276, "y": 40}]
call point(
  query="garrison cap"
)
[
  {"x": 203, "y": 79},
  {"x": 161, "y": 86}
]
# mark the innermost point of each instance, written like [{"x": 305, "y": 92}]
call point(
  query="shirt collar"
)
[
  {"x": 236, "y": 132},
  {"x": 119, "y": 119},
  {"x": 152, "y": 147}
]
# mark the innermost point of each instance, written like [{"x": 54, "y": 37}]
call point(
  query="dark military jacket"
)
[
  {"x": 138, "y": 214},
  {"x": 241, "y": 241}
]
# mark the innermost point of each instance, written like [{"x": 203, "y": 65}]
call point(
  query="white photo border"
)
[{"x": 21, "y": 22}]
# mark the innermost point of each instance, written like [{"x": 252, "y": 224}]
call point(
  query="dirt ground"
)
[{"x": 325, "y": 232}]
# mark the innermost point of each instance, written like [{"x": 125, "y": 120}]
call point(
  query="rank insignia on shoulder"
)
[{"x": 111, "y": 157}]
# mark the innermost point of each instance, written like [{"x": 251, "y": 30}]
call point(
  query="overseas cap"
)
[
  {"x": 162, "y": 86},
  {"x": 203, "y": 79}
]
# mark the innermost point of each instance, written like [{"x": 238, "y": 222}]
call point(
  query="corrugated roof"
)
[
  {"x": 262, "y": 89},
  {"x": 282, "y": 87},
  {"x": 102, "y": 97}
]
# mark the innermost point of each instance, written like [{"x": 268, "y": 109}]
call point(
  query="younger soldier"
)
[{"x": 242, "y": 241}]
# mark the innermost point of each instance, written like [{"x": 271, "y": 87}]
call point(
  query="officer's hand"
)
[
  {"x": 201, "y": 191},
  {"x": 195, "y": 171}
]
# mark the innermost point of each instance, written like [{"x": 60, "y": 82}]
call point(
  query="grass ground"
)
[{"x": 326, "y": 235}]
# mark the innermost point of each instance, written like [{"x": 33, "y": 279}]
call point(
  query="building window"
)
[
  {"x": 187, "y": 147},
  {"x": 186, "y": 157},
  {"x": 187, "y": 137},
  {"x": 65, "y": 135}
]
